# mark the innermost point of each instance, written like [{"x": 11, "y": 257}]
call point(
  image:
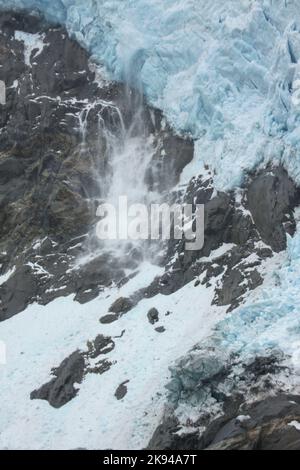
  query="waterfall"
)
[{"x": 121, "y": 154}]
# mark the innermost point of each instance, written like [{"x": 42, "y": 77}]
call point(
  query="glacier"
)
[
  {"x": 97, "y": 420},
  {"x": 226, "y": 72},
  {"x": 266, "y": 326},
  {"x": 271, "y": 321}
]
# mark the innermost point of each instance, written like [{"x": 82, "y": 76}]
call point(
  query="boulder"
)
[
  {"x": 61, "y": 389},
  {"x": 153, "y": 316}
]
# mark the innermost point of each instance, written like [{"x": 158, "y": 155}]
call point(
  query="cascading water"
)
[{"x": 122, "y": 154}]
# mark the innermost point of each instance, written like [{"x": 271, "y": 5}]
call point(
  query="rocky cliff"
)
[{"x": 187, "y": 311}]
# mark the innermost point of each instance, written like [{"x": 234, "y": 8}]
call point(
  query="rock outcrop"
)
[
  {"x": 54, "y": 163},
  {"x": 268, "y": 424}
]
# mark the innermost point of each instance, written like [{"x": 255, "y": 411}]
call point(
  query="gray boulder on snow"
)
[{"x": 153, "y": 316}]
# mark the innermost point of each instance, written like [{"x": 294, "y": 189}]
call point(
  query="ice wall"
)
[
  {"x": 272, "y": 321},
  {"x": 226, "y": 71}
]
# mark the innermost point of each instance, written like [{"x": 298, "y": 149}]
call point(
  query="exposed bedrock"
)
[
  {"x": 64, "y": 385},
  {"x": 253, "y": 223},
  {"x": 61, "y": 389},
  {"x": 54, "y": 163},
  {"x": 271, "y": 199},
  {"x": 268, "y": 424},
  {"x": 220, "y": 400},
  {"x": 54, "y": 168}
]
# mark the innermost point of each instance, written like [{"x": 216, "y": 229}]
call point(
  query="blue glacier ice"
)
[
  {"x": 267, "y": 325},
  {"x": 228, "y": 73},
  {"x": 270, "y": 323},
  {"x": 273, "y": 320},
  {"x": 225, "y": 71}
]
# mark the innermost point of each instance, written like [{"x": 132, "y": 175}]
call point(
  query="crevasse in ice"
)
[{"x": 226, "y": 71}]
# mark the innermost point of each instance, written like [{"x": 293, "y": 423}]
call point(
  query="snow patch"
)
[
  {"x": 5, "y": 277},
  {"x": 41, "y": 337},
  {"x": 32, "y": 42},
  {"x": 295, "y": 424}
]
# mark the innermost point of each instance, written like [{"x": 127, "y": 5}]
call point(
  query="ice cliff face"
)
[{"x": 227, "y": 72}]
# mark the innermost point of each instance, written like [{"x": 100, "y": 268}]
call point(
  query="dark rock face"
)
[
  {"x": 101, "y": 345},
  {"x": 160, "y": 329},
  {"x": 121, "y": 306},
  {"x": 54, "y": 161},
  {"x": 271, "y": 197},
  {"x": 40, "y": 134},
  {"x": 61, "y": 389},
  {"x": 110, "y": 318},
  {"x": 234, "y": 287},
  {"x": 41, "y": 276},
  {"x": 268, "y": 425},
  {"x": 14, "y": 295},
  {"x": 177, "y": 153},
  {"x": 45, "y": 183},
  {"x": 238, "y": 222}
]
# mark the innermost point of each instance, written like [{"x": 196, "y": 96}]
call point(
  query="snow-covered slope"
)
[
  {"x": 142, "y": 356},
  {"x": 225, "y": 71}
]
